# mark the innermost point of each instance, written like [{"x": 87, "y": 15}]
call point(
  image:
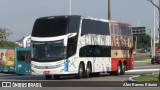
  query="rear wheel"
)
[
  {"x": 88, "y": 70},
  {"x": 48, "y": 77},
  {"x": 123, "y": 69},
  {"x": 80, "y": 71}
]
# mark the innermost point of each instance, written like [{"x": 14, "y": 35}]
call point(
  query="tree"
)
[
  {"x": 4, "y": 34},
  {"x": 143, "y": 41}
]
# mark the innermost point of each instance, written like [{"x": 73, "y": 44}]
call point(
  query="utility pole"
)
[
  {"x": 109, "y": 10},
  {"x": 158, "y": 7},
  {"x": 70, "y": 7}
]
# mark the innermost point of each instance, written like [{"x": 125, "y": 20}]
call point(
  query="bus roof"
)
[{"x": 83, "y": 17}]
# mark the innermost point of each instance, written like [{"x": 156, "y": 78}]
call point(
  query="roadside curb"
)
[{"x": 131, "y": 78}]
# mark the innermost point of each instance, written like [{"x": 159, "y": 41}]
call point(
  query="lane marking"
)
[{"x": 145, "y": 70}]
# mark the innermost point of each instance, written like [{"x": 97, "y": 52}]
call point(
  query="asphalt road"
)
[{"x": 142, "y": 54}]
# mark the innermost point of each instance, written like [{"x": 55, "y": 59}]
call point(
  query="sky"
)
[{"x": 19, "y": 15}]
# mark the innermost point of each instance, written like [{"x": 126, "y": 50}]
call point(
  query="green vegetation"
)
[
  {"x": 146, "y": 78},
  {"x": 142, "y": 41},
  {"x": 8, "y": 44},
  {"x": 142, "y": 58}
]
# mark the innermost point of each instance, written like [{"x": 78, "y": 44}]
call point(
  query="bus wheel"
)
[
  {"x": 88, "y": 70},
  {"x": 48, "y": 77},
  {"x": 123, "y": 69},
  {"x": 80, "y": 71},
  {"x": 118, "y": 72}
]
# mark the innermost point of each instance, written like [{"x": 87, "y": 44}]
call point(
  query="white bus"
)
[{"x": 62, "y": 45}]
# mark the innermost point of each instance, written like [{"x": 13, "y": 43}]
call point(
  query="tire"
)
[
  {"x": 80, "y": 71},
  {"x": 123, "y": 69},
  {"x": 119, "y": 69},
  {"x": 48, "y": 77},
  {"x": 88, "y": 71}
]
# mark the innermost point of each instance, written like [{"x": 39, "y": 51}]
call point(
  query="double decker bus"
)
[{"x": 84, "y": 46}]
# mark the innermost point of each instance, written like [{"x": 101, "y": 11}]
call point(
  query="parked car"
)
[
  {"x": 155, "y": 59},
  {"x": 145, "y": 50}
]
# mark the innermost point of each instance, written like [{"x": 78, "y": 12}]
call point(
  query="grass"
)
[
  {"x": 150, "y": 77},
  {"x": 142, "y": 58}
]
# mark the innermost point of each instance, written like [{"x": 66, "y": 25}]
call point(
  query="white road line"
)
[{"x": 145, "y": 70}]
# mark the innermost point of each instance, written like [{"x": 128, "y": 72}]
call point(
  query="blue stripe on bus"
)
[{"x": 66, "y": 65}]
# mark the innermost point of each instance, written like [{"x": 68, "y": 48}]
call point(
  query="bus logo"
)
[{"x": 116, "y": 53}]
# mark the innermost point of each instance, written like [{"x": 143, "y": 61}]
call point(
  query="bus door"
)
[{"x": 22, "y": 61}]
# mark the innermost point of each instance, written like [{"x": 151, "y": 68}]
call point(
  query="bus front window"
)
[{"x": 48, "y": 51}]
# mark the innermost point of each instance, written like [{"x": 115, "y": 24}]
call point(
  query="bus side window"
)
[
  {"x": 27, "y": 57},
  {"x": 20, "y": 56}
]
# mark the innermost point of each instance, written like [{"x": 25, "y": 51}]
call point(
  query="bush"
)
[{"x": 8, "y": 44}]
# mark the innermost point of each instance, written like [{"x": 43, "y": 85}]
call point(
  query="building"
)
[{"x": 138, "y": 31}]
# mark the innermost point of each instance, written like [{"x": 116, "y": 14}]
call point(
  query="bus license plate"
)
[{"x": 46, "y": 72}]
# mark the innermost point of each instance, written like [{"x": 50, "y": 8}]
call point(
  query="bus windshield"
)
[{"x": 48, "y": 51}]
